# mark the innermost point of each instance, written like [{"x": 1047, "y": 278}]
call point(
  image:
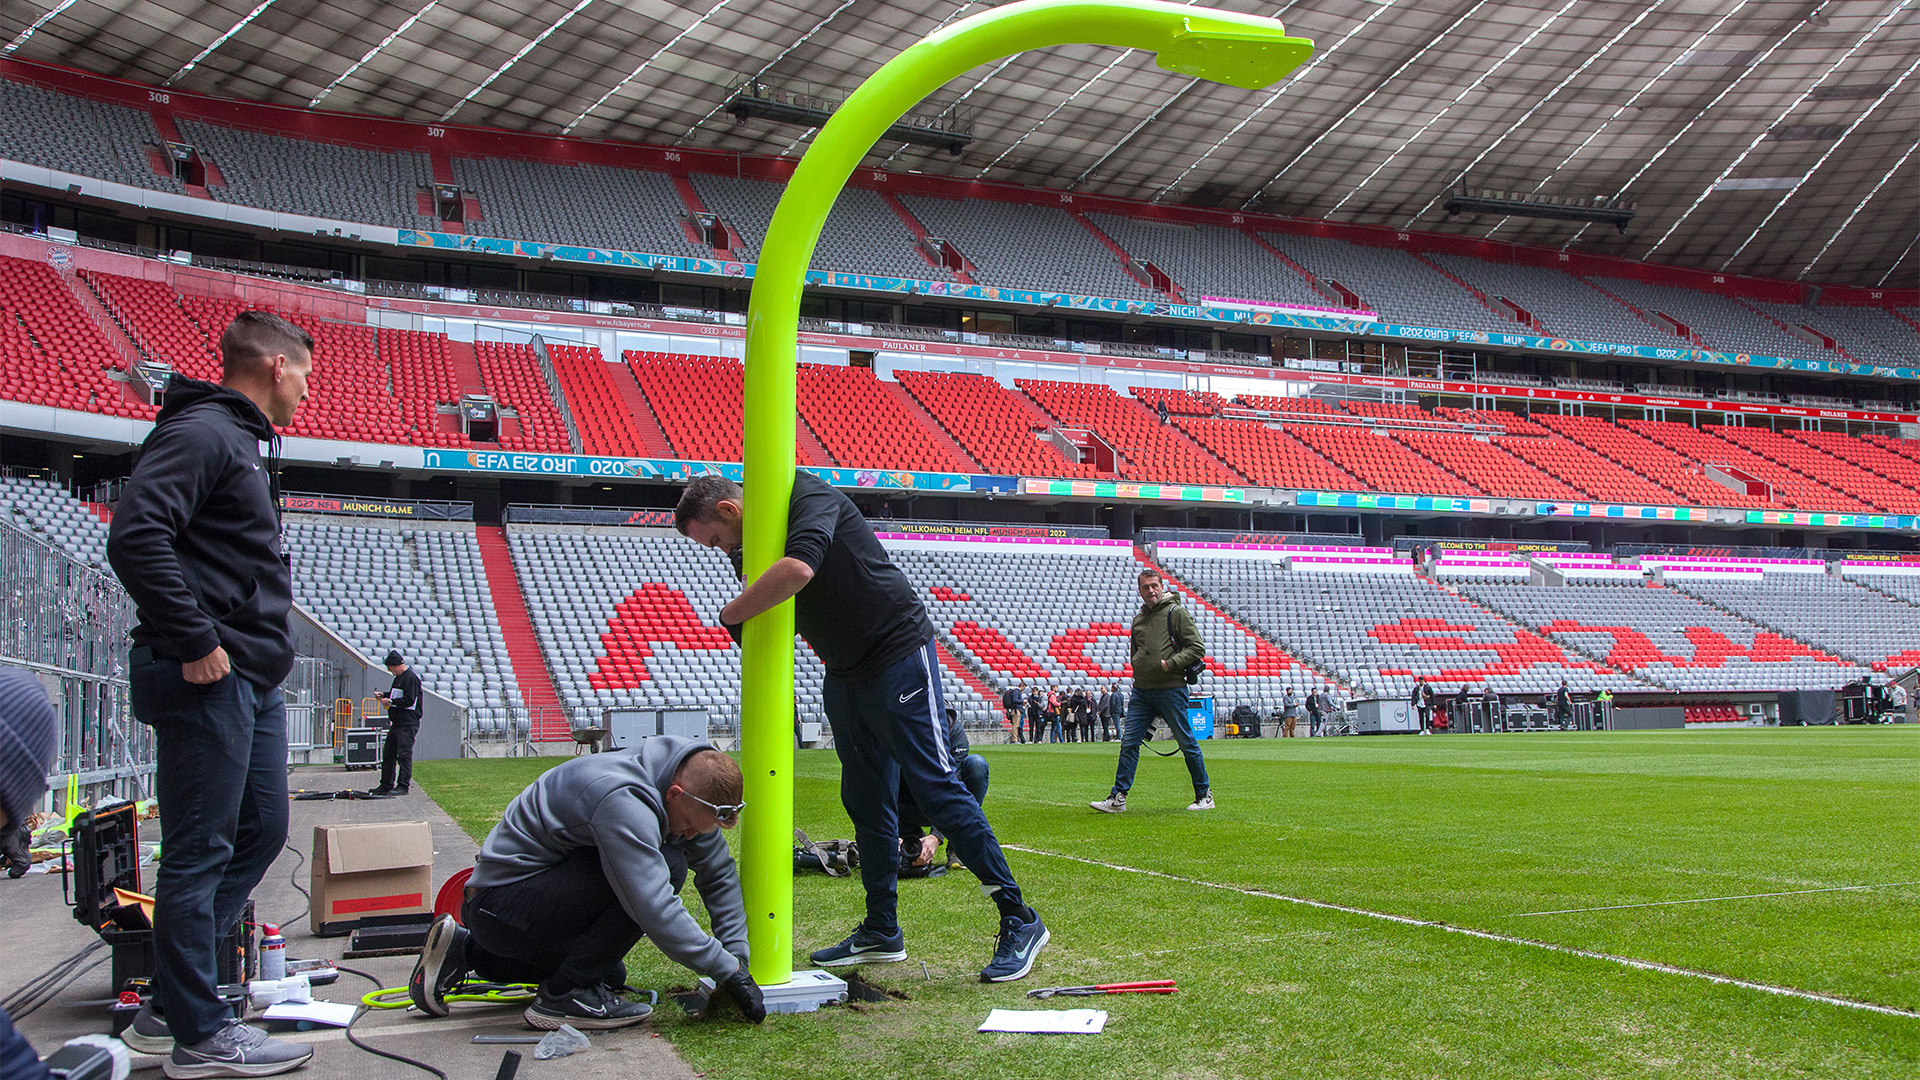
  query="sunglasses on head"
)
[{"x": 725, "y": 815}]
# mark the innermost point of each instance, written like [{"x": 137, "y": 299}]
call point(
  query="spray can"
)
[{"x": 273, "y": 954}]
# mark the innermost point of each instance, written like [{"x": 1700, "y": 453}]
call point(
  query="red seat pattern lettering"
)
[
  {"x": 941, "y": 592},
  {"x": 997, "y": 653},
  {"x": 654, "y": 614},
  {"x": 1438, "y": 635}
]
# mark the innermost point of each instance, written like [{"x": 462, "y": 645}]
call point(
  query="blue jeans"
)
[
  {"x": 1169, "y": 704},
  {"x": 220, "y": 773},
  {"x": 891, "y": 732}
]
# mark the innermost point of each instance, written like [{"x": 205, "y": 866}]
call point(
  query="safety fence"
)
[{"x": 67, "y": 623}]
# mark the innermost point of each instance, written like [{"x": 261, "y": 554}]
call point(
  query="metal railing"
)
[{"x": 68, "y": 623}]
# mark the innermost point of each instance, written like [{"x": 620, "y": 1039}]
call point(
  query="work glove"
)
[{"x": 746, "y": 994}]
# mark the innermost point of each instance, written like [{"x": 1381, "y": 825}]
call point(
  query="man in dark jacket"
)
[
  {"x": 1563, "y": 706},
  {"x": 586, "y": 861},
  {"x": 882, "y": 695},
  {"x": 1113, "y": 706},
  {"x": 403, "y": 726},
  {"x": 1165, "y": 642},
  {"x": 1015, "y": 705},
  {"x": 196, "y": 541}
]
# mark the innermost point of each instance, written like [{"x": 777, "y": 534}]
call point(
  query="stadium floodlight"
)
[{"x": 1246, "y": 51}]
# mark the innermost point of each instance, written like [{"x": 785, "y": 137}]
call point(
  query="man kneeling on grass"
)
[{"x": 585, "y": 862}]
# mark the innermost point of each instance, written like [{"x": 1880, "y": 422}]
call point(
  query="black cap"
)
[{"x": 394, "y": 658}]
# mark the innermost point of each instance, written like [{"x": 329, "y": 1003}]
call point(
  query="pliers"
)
[{"x": 1156, "y": 986}]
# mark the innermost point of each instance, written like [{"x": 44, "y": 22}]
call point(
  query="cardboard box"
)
[{"x": 385, "y": 868}]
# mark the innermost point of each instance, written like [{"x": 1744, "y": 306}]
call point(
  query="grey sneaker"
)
[
  {"x": 1115, "y": 803},
  {"x": 148, "y": 1034},
  {"x": 236, "y": 1050},
  {"x": 1202, "y": 801}
]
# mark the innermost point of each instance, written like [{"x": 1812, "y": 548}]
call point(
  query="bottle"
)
[{"x": 273, "y": 954}]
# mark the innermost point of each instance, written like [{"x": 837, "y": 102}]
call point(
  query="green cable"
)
[{"x": 396, "y": 997}]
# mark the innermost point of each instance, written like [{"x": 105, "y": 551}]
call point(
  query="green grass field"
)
[{"x": 1483, "y": 833}]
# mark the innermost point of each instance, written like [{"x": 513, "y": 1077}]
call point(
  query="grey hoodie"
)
[{"x": 614, "y": 802}]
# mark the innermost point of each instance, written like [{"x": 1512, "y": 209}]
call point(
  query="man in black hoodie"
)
[
  {"x": 403, "y": 726},
  {"x": 196, "y": 541}
]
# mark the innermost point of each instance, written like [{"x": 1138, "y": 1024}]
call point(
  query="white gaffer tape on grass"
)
[
  {"x": 1485, "y": 935},
  {"x": 1711, "y": 899}
]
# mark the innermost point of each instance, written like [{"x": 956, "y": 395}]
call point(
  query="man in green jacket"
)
[{"x": 1165, "y": 643}]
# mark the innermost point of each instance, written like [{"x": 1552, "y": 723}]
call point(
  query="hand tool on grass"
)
[{"x": 1155, "y": 986}]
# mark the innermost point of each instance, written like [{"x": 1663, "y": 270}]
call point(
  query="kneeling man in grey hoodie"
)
[{"x": 585, "y": 862}]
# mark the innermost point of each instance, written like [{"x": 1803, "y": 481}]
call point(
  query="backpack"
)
[{"x": 835, "y": 857}]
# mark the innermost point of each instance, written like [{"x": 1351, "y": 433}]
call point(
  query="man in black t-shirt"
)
[{"x": 881, "y": 694}]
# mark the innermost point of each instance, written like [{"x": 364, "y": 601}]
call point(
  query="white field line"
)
[
  {"x": 1710, "y": 899},
  {"x": 1484, "y": 935}
]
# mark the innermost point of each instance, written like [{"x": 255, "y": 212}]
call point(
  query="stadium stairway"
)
[
  {"x": 465, "y": 367},
  {"x": 523, "y": 648},
  {"x": 653, "y": 437},
  {"x": 808, "y": 446}
]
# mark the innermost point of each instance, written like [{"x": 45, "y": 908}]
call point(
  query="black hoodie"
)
[{"x": 196, "y": 535}]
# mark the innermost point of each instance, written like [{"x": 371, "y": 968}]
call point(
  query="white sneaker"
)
[
  {"x": 1204, "y": 802},
  {"x": 1115, "y": 803}
]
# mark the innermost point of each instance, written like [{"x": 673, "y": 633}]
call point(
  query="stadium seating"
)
[
  {"x": 1598, "y": 478},
  {"x": 632, "y": 621},
  {"x": 1395, "y": 285},
  {"x": 1651, "y": 460},
  {"x": 1508, "y": 422},
  {"x": 990, "y": 422},
  {"x": 1028, "y": 247},
  {"x": 1391, "y": 411},
  {"x": 1720, "y": 321},
  {"x": 51, "y": 353},
  {"x": 601, "y": 414},
  {"x": 1268, "y": 456},
  {"x": 698, "y": 401},
  {"x": 349, "y": 394},
  {"x": 863, "y": 425},
  {"x": 1290, "y": 406},
  {"x": 1867, "y": 628},
  {"x": 1871, "y": 335},
  {"x": 861, "y": 235},
  {"x": 1789, "y": 488},
  {"x": 513, "y": 376},
  {"x": 1207, "y": 260},
  {"x": 324, "y": 180},
  {"x": 423, "y": 379},
  {"x": 1179, "y": 402},
  {"x": 1865, "y": 452},
  {"x": 1565, "y": 305},
  {"x": 74, "y": 135},
  {"x": 1384, "y": 463},
  {"x": 1487, "y": 466},
  {"x": 47, "y": 510},
  {"x": 1378, "y": 633},
  {"x": 150, "y": 313},
  {"x": 1058, "y": 614},
  {"x": 1835, "y": 472},
  {"x": 1154, "y": 451},
  {"x": 422, "y": 591},
  {"x": 596, "y": 206},
  {"x": 1666, "y": 637}
]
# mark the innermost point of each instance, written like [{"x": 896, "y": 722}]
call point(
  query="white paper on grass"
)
[
  {"x": 1047, "y": 1021},
  {"x": 330, "y": 1013}
]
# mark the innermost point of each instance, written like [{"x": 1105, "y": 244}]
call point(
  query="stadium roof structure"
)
[{"x": 1778, "y": 138}]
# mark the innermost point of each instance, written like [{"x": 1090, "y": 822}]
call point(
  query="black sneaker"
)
[
  {"x": 148, "y": 1033},
  {"x": 380, "y": 792},
  {"x": 236, "y": 1050},
  {"x": 589, "y": 1008},
  {"x": 442, "y": 966},
  {"x": 863, "y": 946},
  {"x": 1020, "y": 945}
]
